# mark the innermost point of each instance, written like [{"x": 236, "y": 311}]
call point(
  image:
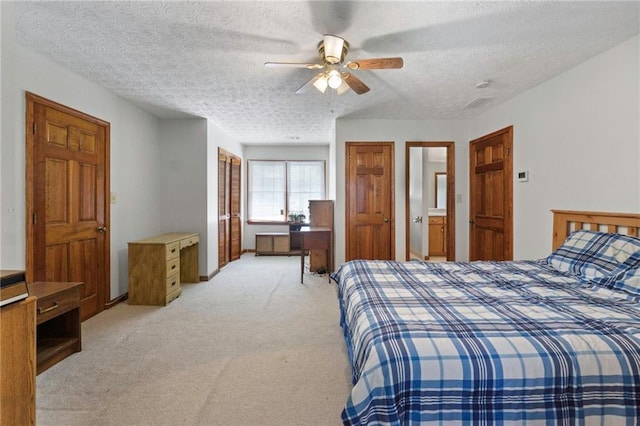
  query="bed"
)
[{"x": 548, "y": 341}]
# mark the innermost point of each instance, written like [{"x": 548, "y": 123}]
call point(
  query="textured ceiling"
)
[{"x": 206, "y": 59}]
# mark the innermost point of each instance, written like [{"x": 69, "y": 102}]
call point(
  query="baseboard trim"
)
[
  {"x": 117, "y": 300},
  {"x": 205, "y": 278}
]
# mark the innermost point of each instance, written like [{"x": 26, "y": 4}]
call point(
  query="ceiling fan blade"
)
[
  {"x": 355, "y": 84},
  {"x": 293, "y": 65},
  {"x": 375, "y": 64},
  {"x": 331, "y": 16}
]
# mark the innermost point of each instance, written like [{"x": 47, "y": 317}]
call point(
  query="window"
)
[{"x": 280, "y": 188}]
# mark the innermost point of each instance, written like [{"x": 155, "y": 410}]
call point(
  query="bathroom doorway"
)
[{"x": 430, "y": 201}]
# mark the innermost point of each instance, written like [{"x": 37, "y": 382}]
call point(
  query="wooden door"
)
[
  {"x": 224, "y": 202},
  {"x": 370, "y": 231},
  {"x": 491, "y": 196},
  {"x": 234, "y": 208},
  {"x": 67, "y": 208},
  {"x": 229, "y": 198}
]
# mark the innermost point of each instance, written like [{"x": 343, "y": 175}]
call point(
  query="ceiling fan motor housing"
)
[{"x": 333, "y": 49}]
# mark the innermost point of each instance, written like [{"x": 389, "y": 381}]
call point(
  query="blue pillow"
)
[{"x": 594, "y": 255}]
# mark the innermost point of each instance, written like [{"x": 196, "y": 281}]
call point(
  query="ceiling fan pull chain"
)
[{"x": 333, "y": 103}]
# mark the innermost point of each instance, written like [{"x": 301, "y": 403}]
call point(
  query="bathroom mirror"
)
[{"x": 441, "y": 190}]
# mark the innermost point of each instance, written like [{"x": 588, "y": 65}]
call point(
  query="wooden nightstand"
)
[{"x": 58, "y": 333}]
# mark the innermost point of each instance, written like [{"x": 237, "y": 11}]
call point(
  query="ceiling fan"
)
[{"x": 334, "y": 72}]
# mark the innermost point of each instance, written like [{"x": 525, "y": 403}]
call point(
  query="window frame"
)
[{"x": 287, "y": 186}]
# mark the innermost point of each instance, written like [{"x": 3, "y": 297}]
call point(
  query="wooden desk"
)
[
  {"x": 318, "y": 238},
  {"x": 58, "y": 332},
  {"x": 159, "y": 265}
]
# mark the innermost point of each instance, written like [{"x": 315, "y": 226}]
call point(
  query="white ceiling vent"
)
[{"x": 478, "y": 102}]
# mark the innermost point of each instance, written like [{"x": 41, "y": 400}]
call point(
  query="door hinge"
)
[
  {"x": 508, "y": 151},
  {"x": 35, "y": 218},
  {"x": 34, "y": 127}
]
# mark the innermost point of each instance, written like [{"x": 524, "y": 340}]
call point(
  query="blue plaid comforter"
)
[{"x": 487, "y": 343}]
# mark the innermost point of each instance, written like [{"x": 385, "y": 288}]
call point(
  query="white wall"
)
[
  {"x": 183, "y": 160},
  {"x": 11, "y": 221},
  {"x": 578, "y": 135},
  {"x": 135, "y": 155},
  {"x": 401, "y": 131},
  {"x": 276, "y": 152}
]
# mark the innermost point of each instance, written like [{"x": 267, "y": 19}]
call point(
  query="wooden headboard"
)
[{"x": 567, "y": 221}]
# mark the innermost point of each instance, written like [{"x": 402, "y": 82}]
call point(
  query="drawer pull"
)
[
  {"x": 49, "y": 309},
  {"x": 173, "y": 283},
  {"x": 173, "y": 250},
  {"x": 173, "y": 266}
]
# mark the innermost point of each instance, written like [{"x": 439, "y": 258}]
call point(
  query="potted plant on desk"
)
[{"x": 295, "y": 220}]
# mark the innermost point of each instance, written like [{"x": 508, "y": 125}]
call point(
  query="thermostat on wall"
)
[{"x": 523, "y": 176}]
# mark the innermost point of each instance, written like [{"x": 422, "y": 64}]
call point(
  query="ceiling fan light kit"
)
[
  {"x": 333, "y": 51},
  {"x": 320, "y": 82},
  {"x": 343, "y": 86},
  {"x": 335, "y": 79}
]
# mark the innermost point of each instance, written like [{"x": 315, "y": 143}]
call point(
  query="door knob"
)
[
  {"x": 386, "y": 219},
  {"x": 102, "y": 229}
]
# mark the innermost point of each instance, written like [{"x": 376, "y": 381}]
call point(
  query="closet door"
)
[
  {"x": 235, "y": 220},
  {"x": 229, "y": 217},
  {"x": 224, "y": 228}
]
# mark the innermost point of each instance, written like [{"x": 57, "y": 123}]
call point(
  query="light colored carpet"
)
[{"x": 252, "y": 346}]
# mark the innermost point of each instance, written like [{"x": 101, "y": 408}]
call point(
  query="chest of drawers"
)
[{"x": 157, "y": 266}]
